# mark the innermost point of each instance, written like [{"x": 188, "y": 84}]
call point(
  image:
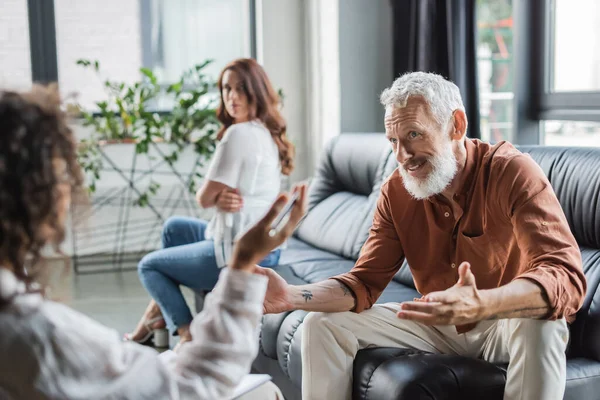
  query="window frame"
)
[
  {"x": 42, "y": 41},
  {"x": 534, "y": 101}
]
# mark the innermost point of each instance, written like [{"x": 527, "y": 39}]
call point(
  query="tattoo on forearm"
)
[
  {"x": 307, "y": 294},
  {"x": 347, "y": 291},
  {"x": 526, "y": 312}
]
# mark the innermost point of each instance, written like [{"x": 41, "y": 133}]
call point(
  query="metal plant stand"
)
[{"x": 109, "y": 232}]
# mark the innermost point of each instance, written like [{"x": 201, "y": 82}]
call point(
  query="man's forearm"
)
[
  {"x": 327, "y": 296},
  {"x": 521, "y": 298}
]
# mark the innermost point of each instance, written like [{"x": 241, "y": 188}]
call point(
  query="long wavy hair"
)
[
  {"x": 263, "y": 104},
  {"x": 37, "y": 158}
]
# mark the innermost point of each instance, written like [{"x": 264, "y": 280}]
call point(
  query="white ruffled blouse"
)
[{"x": 49, "y": 351}]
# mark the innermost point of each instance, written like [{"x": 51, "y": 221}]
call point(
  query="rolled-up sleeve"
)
[
  {"x": 544, "y": 237},
  {"x": 381, "y": 257}
]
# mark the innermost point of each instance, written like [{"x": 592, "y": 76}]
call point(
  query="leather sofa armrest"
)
[{"x": 390, "y": 373}]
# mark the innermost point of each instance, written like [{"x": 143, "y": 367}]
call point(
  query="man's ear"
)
[{"x": 459, "y": 128}]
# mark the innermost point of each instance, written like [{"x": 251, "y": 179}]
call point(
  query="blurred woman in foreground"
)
[{"x": 50, "y": 351}]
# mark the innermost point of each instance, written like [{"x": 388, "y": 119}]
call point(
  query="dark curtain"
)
[{"x": 439, "y": 36}]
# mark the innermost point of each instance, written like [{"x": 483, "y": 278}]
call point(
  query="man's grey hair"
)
[{"x": 442, "y": 96}]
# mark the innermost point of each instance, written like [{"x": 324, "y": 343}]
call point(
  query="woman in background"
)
[
  {"x": 243, "y": 179},
  {"x": 50, "y": 351}
]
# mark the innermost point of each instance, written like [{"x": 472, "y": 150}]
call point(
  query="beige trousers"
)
[
  {"x": 266, "y": 391},
  {"x": 534, "y": 349}
]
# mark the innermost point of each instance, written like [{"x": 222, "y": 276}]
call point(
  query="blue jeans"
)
[{"x": 186, "y": 259}]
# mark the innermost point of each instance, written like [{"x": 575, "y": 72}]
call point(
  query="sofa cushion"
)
[
  {"x": 335, "y": 223},
  {"x": 343, "y": 193},
  {"x": 350, "y": 163},
  {"x": 310, "y": 264}
]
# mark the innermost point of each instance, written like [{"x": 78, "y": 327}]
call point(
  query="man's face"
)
[{"x": 422, "y": 147}]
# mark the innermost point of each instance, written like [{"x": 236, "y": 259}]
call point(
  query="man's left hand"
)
[{"x": 459, "y": 305}]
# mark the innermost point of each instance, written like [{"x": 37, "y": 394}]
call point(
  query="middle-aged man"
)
[{"x": 488, "y": 246}]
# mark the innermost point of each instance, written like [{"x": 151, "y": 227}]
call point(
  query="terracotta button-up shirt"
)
[{"x": 509, "y": 226}]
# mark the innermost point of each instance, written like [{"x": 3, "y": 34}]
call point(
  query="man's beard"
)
[{"x": 442, "y": 172}]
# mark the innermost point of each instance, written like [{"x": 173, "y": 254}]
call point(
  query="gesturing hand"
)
[
  {"x": 256, "y": 243},
  {"x": 459, "y": 305},
  {"x": 230, "y": 200},
  {"x": 277, "y": 297}
]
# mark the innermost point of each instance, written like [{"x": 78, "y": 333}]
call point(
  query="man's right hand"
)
[
  {"x": 277, "y": 298},
  {"x": 230, "y": 200}
]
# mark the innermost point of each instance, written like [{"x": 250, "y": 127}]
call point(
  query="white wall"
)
[
  {"x": 281, "y": 50},
  {"x": 332, "y": 58},
  {"x": 15, "y": 60},
  {"x": 108, "y": 31},
  {"x": 323, "y": 79},
  {"x": 366, "y": 62}
]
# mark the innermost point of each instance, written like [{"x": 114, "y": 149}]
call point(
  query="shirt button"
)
[
  {"x": 446, "y": 214},
  {"x": 453, "y": 265},
  {"x": 454, "y": 237},
  {"x": 545, "y": 223}
]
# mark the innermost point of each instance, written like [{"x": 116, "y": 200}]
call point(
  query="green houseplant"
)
[{"x": 127, "y": 116}]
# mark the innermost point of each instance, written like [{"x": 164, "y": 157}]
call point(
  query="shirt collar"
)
[{"x": 468, "y": 175}]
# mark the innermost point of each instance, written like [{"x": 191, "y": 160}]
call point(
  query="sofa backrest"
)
[
  {"x": 575, "y": 177},
  {"x": 344, "y": 191}
]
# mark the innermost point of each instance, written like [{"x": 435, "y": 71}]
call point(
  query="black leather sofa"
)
[{"x": 341, "y": 203}]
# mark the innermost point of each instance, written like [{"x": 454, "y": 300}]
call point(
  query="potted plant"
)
[{"x": 128, "y": 115}]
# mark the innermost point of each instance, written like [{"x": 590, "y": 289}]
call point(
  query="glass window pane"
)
[
  {"x": 167, "y": 36},
  {"x": 576, "y": 45},
  {"x": 187, "y": 32},
  {"x": 15, "y": 59},
  {"x": 495, "y": 63},
  {"x": 571, "y": 133}
]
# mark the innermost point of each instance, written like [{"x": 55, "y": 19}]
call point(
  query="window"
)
[
  {"x": 187, "y": 32},
  {"x": 571, "y": 100},
  {"x": 575, "y": 63},
  {"x": 495, "y": 64},
  {"x": 15, "y": 59},
  {"x": 165, "y": 36},
  {"x": 571, "y": 133}
]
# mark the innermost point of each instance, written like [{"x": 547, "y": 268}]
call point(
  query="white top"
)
[
  {"x": 49, "y": 351},
  {"x": 247, "y": 159}
]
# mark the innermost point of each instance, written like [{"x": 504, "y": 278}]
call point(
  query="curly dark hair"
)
[{"x": 38, "y": 166}]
